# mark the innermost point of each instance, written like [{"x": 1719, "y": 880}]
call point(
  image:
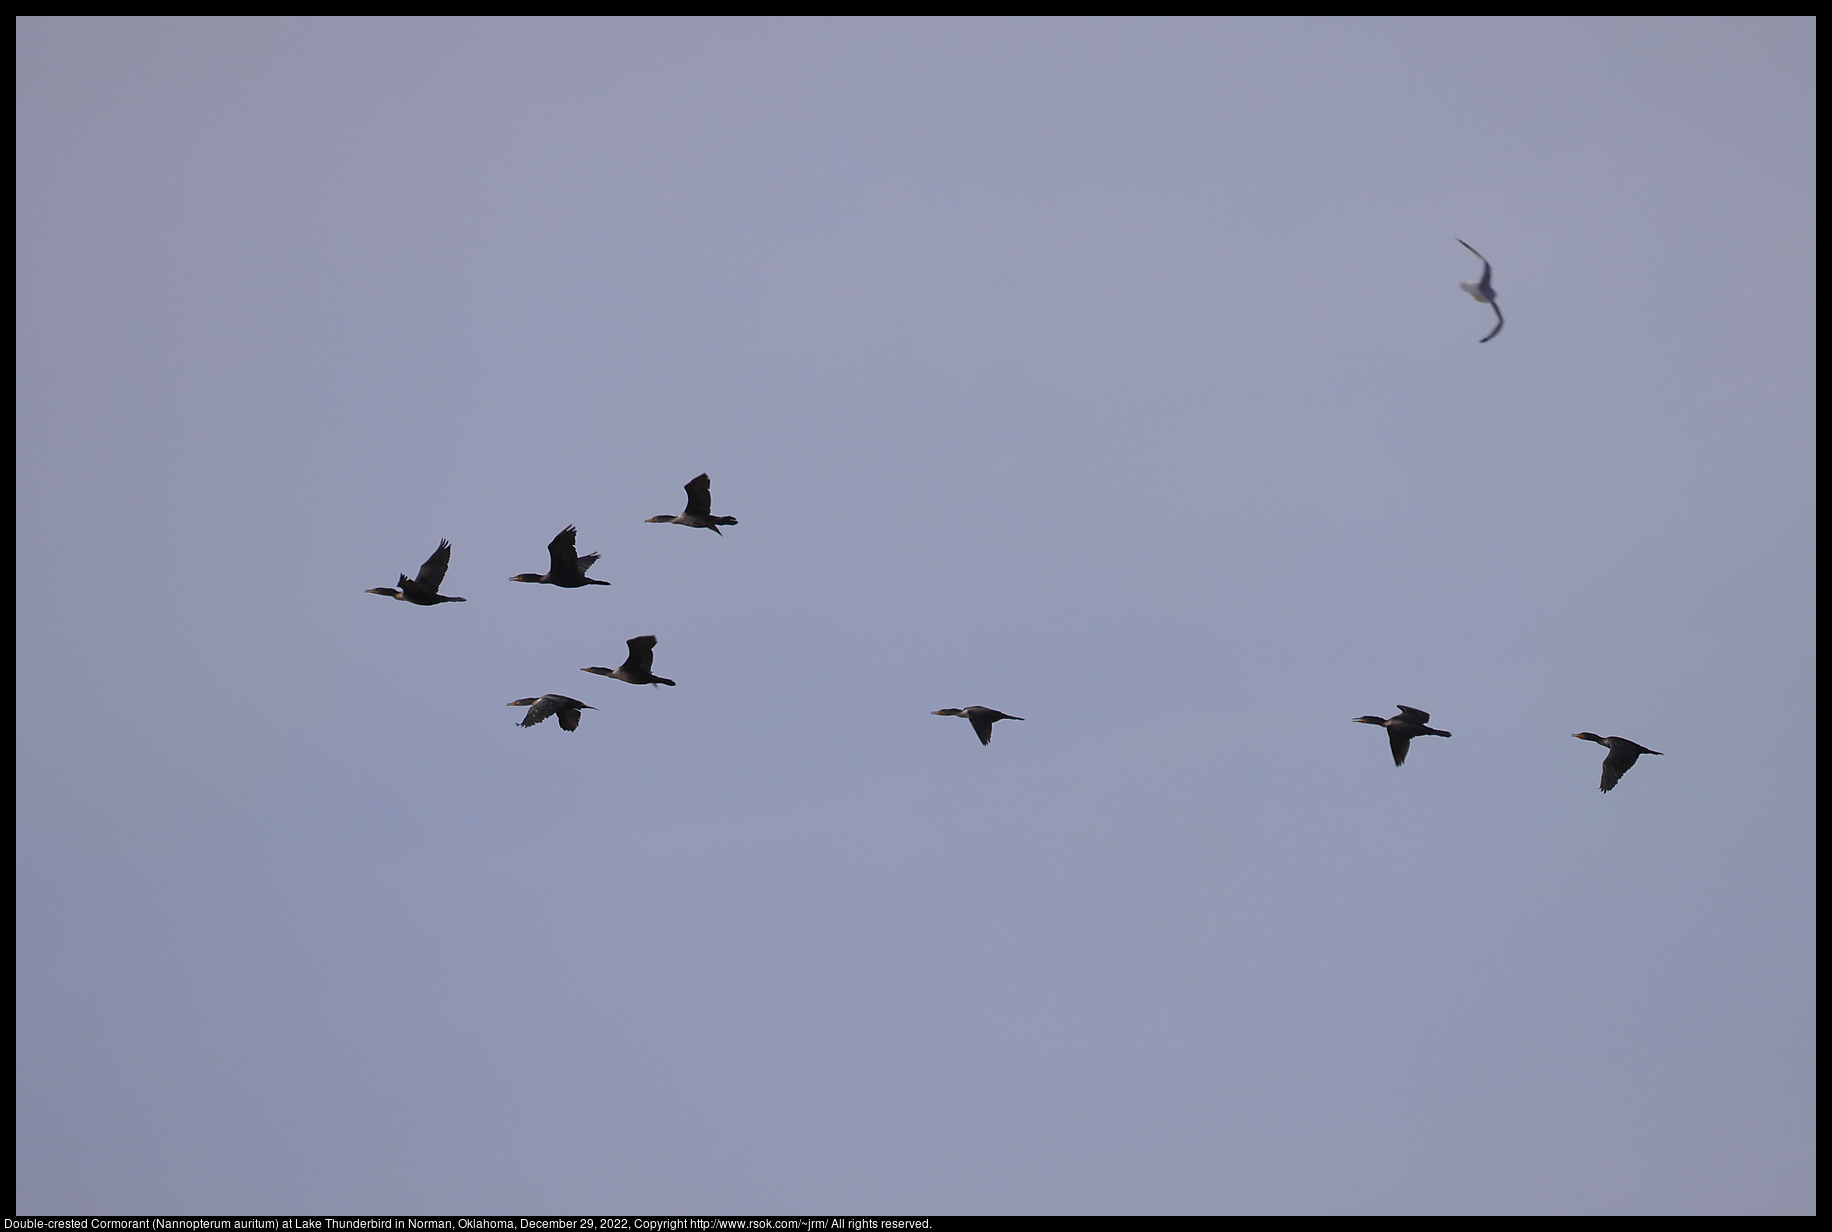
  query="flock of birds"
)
[
  {"x": 566, "y": 568},
  {"x": 1410, "y": 722}
]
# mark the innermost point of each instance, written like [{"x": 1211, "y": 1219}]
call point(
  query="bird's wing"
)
[
  {"x": 569, "y": 719},
  {"x": 586, "y": 562},
  {"x": 642, "y": 655},
  {"x": 1417, "y": 716},
  {"x": 1400, "y": 745},
  {"x": 1617, "y": 764},
  {"x": 982, "y": 724},
  {"x": 1485, "y": 265},
  {"x": 432, "y": 573},
  {"x": 538, "y": 712},
  {"x": 561, "y": 553},
  {"x": 699, "y": 496},
  {"x": 1498, "y": 322},
  {"x": 417, "y": 593}
]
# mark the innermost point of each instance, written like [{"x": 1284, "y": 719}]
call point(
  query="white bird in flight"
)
[{"x": 1484, "y": 293}]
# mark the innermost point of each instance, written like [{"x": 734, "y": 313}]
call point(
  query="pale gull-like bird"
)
[{"x": 1483, "y": 292}]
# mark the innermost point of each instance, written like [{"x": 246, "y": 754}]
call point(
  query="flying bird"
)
[
  {"x": 1623, "y": 753},
  {"x": 635, "y": 669},
  {"x": 565, "y": 566},
  {"x": 1401, "y": 728},
  {"x": 424, "y": 590},
  {"x": 982, "y": 719},
  {"x": 1484, "y": 293},
  {"x": 699, "y": 508},
  {"x": 552, "y": 703}
]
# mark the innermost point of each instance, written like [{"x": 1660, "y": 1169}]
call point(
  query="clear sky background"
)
[{"x": 1112, "y": 373}]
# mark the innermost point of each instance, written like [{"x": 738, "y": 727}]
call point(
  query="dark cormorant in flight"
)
[
  {"x": 566, "y": 567},
  {"x": 699, "y": 508},
  {"x": 1623, "y": 753},
  {"x": 1401, "y": 728},
  {"x": 635, "y": 669},
  {"x": 982, "y": 719},
  {"x": 552, "y": 703},
  {"x": 424, "y": 590}
]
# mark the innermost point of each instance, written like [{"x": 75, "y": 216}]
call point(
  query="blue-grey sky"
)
[{"x": 1112, "y": 373}]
